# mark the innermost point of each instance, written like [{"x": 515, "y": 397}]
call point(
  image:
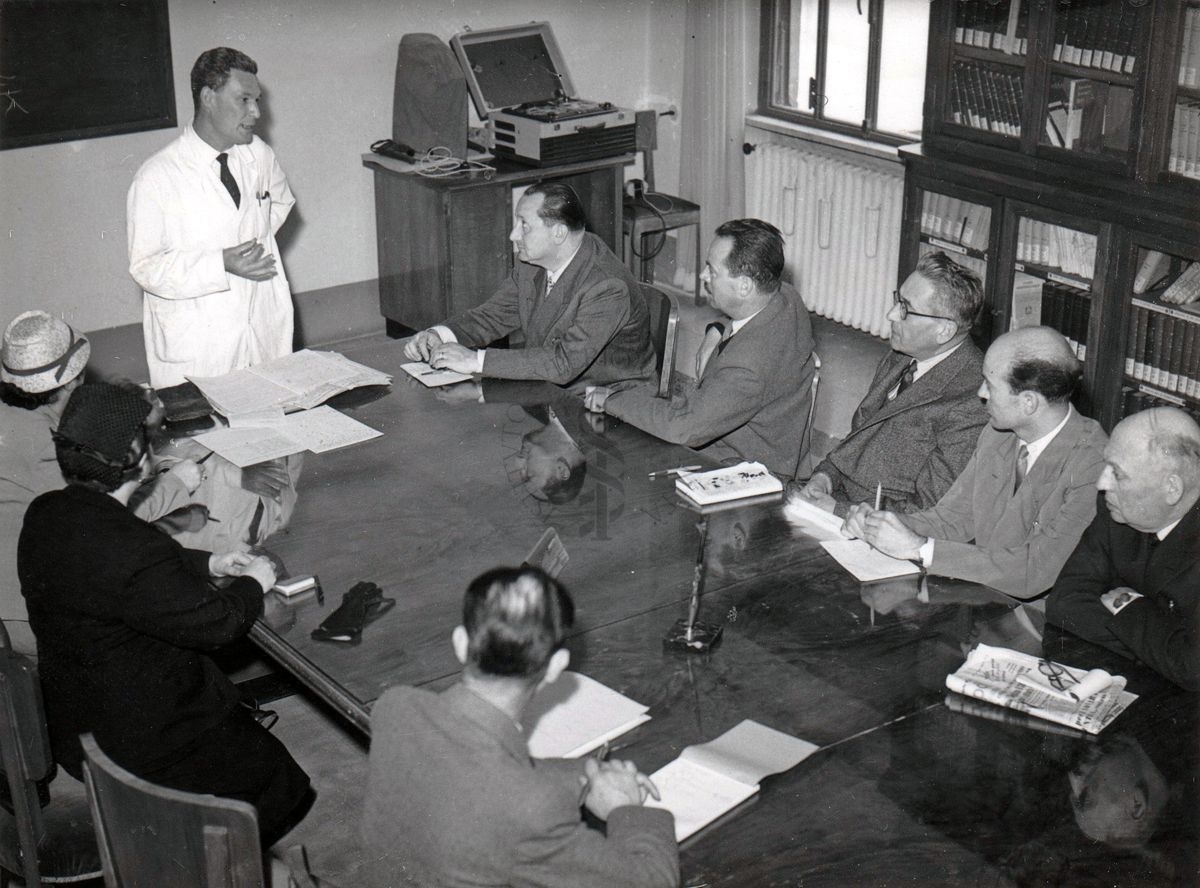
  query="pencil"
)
[{"x": 878, "y": 495}]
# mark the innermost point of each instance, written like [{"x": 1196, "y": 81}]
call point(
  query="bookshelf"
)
[{"x": 1060, "y": 159}]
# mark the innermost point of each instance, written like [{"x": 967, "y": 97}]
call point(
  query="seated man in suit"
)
[
  {"x": 917, "y": 426},
  {"x": 582, "y": 315},
  {"x": 453, "y": 796},
  {"x": 1019, "y": 507},
  {"x": 1133, "y": 583},
  {"x": 754, "y": 372}
]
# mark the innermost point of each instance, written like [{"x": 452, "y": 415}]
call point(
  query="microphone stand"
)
[{"x": 692, "y": 635}]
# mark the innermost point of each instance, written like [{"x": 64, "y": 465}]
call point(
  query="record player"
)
[{"x": 517, "y": 79}]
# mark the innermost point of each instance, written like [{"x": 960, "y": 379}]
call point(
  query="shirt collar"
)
[
  {"x": 926, "y": 364},
  {"x": 734, "y": 326},
  {"x": 1162, "y": 534},
  {"x": 1035, "y": 448},
  {"x": 553, "y": 276}
]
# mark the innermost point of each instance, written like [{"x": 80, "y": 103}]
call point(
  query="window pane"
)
[
  {"x": 846, "y": 62},
  {"x": 902, "y": 66},
  {"x": 795, "y": 53}
]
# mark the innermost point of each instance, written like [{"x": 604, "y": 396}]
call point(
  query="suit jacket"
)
[
  {"x": 1162, "y": 629},
  {"x": 593, "y": 327},
  {"x": 753, "y": 400},
  {"x": 454, "y": 799},
  {"x": 1016, "y": 543},
  {"x": 122, "y": 612},
  {"x": 916, "y": 444}
]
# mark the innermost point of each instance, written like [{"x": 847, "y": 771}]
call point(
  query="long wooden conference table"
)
[{"x": 912, "y": 785}]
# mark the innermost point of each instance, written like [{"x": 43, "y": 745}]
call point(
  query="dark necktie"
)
[
  {"x": 1022, "y": 466},
  {"x": 714, "y": 334},
  {"x": 907, "y": 379},
  {"x": 228, "y": 181}
]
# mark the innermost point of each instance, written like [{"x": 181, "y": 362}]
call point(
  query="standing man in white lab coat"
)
[{"x": 202, "y": 217}]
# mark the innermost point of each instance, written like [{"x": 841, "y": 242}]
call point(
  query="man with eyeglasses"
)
[
  {"x": 1015, "y": 513},
  {"x": 917, "y": 426}
]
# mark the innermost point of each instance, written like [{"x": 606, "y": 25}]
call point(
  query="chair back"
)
[
  {"x": 153, "y": 836},
  {"x": 664, "y": 330},
  {"x": 806, "y": 440},
  {"x": 645, "y": 140}
]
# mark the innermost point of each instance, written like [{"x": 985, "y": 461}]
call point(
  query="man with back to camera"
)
[
  {"x": 1133, "y": 583},
  {"x": 453, "y": 796},
  {"x": 582, "y": 315},
  {"x": 917, "y": 426},
  {"x": 202, "y": 215},
  {"x": 753, "y": 385},
  {"x": 1015, "y": 513},
  {"x": 122, "y": 614}
]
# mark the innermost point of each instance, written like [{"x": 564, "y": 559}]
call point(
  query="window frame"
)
[{"x": 773, "y": 70}]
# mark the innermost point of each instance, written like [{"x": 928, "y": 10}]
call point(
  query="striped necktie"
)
[
  {"x": 1022, "y": 466},
  {"x": 713, "y": 334}
]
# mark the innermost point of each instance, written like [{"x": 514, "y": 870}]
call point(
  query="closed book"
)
[
  {"x": 1130, "y": 339},
  {"x": 1177, "y": 375},
  {"x": 746, "y": 479},
  {"x": 1139, "y": 342}
]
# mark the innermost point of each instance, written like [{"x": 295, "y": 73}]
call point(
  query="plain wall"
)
[{"x": 327, "y": 72}]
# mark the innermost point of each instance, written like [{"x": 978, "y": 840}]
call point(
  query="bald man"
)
[
  {"x": 1133, "y": 583},
  {"x": 1016, "y": 512}
]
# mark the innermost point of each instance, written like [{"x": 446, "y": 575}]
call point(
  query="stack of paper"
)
[
  {"x": 270, "y": 437},
  {"x": 294, "y": 382},
  {"x": 430, "y": 378},
  {"x": 577, "y": 714},
  {"x": 714, "y": 777},
  {"x": 1042, "y": 688},
  {"x": 731, "y": 482}
]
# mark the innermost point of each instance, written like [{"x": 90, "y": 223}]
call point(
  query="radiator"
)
[{"x": 840, "y": 218}]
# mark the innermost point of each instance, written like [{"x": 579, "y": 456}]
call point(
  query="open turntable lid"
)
[{"x": 512, "y": 66}]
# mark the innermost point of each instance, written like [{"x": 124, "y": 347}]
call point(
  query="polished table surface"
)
[{"x": 912, "y": 785}]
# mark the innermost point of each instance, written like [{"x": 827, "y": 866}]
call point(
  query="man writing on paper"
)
[
  {"x": 1133, "y": 583},
  {"x": 581, "y": 313},
  {"x": 754, "y": 371},
  {"x": 1028, "y": 491},
  {"x": 453, "y": 796},
  {"x": 918, "y": 423},
  {"x": 202, "y": 218}
]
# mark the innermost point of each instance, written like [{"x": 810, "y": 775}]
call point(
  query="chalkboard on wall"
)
[{"x": 78, "y": 69}]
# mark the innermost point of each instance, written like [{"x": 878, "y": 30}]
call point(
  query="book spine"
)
[
  {"x": 1130, "y": 339},
  {"x": 1178, "y": 375},
  {"x": 1139, "y": 343},
  {"x": 1191, "y": 361}
]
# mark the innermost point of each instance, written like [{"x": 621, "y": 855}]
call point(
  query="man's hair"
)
[
  {"x": 1054, "y": 380},
  {"x": 959, "y": 290},
  {"x": 23, "y": 400},
  {"x": 515, "y": 619},
  {"x": 757, "y": 252},
  {"x": 213, "y": 67},
  {"x": 565, "y": 490},
  {"x": 560, "y": 203}
]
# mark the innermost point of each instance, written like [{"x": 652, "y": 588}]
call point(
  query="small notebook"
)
[
  {"x": 576, "y": 714},
  {"x": 865, "y": 563},
  {"x": 431, "y": 378},
  {"x": 727, "y": 483},
  {"x": 715, "y": 777}
]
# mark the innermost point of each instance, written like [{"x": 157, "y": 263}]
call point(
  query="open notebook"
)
[
  {"x": 577, "y": 714},
  {"x": 715, "y": 777}
]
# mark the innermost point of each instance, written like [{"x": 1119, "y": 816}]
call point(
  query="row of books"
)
[
  {"x": 955, "y": 220},
  {"x": 1189, "y": 57},
  {"x": 1064, "y": 308},
  {"x": 1184, "y": 156},
  {"x": 1095, "y": 35},
  {"x": 1053, "y": 246},
  {"x": 1180, "y": 278},
  {"x": 1164, "y": 347},
  {"x": 1135, "y": 400},
  {"x": 983, "y": 97},
  {"x": 993, "y": 25}
]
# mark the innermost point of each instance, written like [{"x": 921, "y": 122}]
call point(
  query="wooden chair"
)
[
  {"x": 152, "y": 836},
  {"x": 46, "y": 840},
  {"x": 664, "y": 330},
  {"x": 654, "y": 213}
]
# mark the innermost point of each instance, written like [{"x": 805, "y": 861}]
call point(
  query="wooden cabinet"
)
[
  {"x": 1057, "y": 161},
  {"x": 443, "y": 241}
]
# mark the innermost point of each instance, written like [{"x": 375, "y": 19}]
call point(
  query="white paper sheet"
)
[
  {"x": 865, "y": 563},
  {"x": 577, "y": 714},
  {"x": 431, "y": 378}
]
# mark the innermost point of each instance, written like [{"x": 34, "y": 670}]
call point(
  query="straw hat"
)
[{"x": 41, "y": 353}]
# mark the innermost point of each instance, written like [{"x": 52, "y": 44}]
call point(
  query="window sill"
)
[{"x": 823, "y": 137}]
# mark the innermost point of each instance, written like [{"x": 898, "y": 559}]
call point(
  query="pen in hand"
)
[{"x": 878, "y": 495}]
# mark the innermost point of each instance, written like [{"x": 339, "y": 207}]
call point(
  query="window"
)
[{"x": 846, "y": 65}]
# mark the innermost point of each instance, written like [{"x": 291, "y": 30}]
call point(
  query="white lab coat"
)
[{"x": 198, "y": 319}]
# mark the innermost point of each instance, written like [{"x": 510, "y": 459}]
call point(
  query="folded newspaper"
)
[
  {"x": 1088, "y": 700},
  {"x": 297, "y": 381}
]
